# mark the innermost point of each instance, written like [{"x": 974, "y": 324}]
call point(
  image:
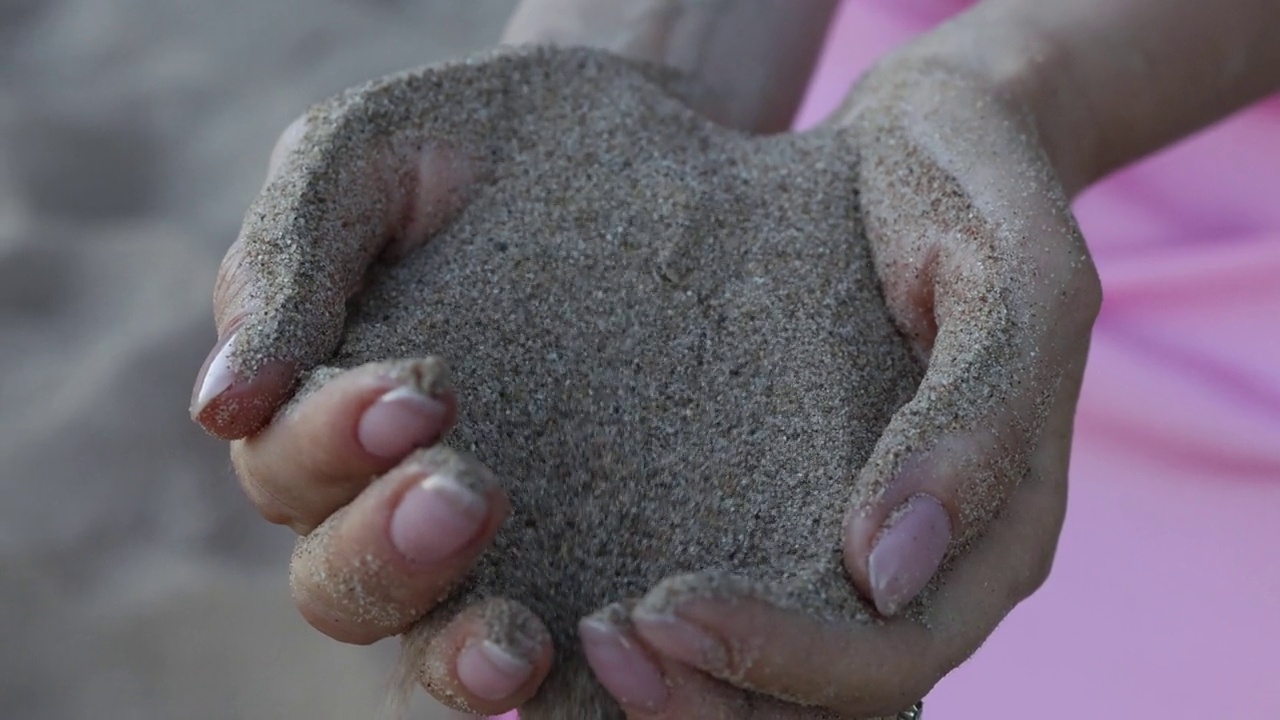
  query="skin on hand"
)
[
  {"x": 1012, "y": 108},
  {"x": 385, "y": 525},
  {"x": 985, "y": 271},
  {"x": 387, "y": 520}
]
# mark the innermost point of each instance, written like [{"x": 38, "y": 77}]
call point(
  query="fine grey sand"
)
[{"x": 666, "y": 338}]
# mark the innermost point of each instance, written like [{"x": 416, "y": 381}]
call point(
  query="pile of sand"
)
[{"x": 667, "y": 338}]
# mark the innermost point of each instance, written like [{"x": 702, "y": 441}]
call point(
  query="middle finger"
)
[
  {"x": 378, "y": 565},
  {"x": 323, "y": 450}
]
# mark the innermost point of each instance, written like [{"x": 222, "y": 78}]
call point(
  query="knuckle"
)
[
  {"x": 268, "y": 504},
  {"x": 321, "y": 617},
  {"x": 291, "y": 134},
  {"x": 286, "y": 142},
  {"x": 1038, "y": 568},
  {"x": 337, "y": 597},
  {"x": 1028, "y": 571},
  {"x": 231, "y": 288},
  {"x": 271, "y": 509}
]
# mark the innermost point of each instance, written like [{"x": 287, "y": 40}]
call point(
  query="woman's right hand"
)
[
  {"x": 374, "y": 556},
  {"x": 986, "y": 275},
  {"x": 388, "y": 521}
]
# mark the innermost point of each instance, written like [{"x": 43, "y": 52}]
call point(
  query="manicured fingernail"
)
[
  {"x": 681, "y": 640},
  {"x": 229, "y": 406},
  {"x": 399, "y": 421},
  {"x": 908, "y": 552},
  {"x": 216, "y": 375},
  {"x": 621, "y": 666},
  {"x": 491, "y": 672},
  {"x": 436, "y": 518}
]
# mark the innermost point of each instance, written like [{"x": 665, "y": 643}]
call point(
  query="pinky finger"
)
[{"x": 490, "y": 658}]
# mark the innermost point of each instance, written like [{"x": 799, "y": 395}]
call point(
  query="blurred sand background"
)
[{"x": 135, "y": 581}]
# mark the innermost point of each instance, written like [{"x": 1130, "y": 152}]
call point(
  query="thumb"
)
[
  {"x": 985, "y": 270},
  {"x": 951, "y": 457},
  {"x": 932, "y": 500},
  {"x": 346, "y": 184}
]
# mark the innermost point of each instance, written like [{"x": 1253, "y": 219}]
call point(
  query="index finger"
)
[{"x": 343, "y": 189}]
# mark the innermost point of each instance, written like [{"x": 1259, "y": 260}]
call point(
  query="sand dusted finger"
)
[
  {"x": 279, "y": 300},
  {"x": 750, "y": 635},
  {"x": 383, "y": 561},
  {"x": 489, "y": 658},
  {"x": 986, "y": 272},
  {"x": 339, "y": 432},
  {"x": 661, "y": 665}
]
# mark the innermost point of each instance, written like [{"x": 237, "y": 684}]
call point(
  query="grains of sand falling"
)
[{"x": 666, "y": 338}]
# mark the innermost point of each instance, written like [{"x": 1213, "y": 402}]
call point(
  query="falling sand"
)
[{"x": 666, "y": 338}]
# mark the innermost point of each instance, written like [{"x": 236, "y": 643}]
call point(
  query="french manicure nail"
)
[
  {"x": 399, "y": 421},
  {"x": 681, "y": 640},
  {"x": 436, "y": 518},
  {"x": 491, "y": 672},
  {"x": 229, "y": 405},
  {"x": 216, "y": 375},
  {"x": 908, "y": 552},
  {"x": 621, "y": 666}
]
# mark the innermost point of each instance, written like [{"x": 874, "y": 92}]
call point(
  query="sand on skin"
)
[{"x": 666, "y": 337}]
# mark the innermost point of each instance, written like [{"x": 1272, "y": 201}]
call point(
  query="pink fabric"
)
[{"x": 1165, "y": 598}]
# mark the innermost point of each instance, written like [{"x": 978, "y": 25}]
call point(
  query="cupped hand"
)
[
  {"x": 389, "y": 521},
  {"x": 956, "y": 515}
]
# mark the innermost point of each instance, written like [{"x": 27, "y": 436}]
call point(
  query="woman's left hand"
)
[{"x": 985, "y": 272}]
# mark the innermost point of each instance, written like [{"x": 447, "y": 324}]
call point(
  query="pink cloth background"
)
[{"x": 1164, "y": 601}]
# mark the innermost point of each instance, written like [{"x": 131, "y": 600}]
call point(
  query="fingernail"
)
[
  {"x": 907, "y": 554},
  {"x": 436, "y": 518},
  {"x": 229, "y": 406},
  {"x": 399, "y": 421},
  {"x": 621, "y": 666},
  {"x": 490, "y": 672},
  {"x": 681, "y": 640},
  {"x": 216, "y": 375}
]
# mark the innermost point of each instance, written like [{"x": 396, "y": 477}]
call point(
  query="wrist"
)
[
  {"x": 1107, "y": 82},
  {"x": 751, "y": 58},
  {"x": 1028, "y": 71}
]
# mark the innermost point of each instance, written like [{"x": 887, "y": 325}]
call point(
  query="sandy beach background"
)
[{"x": 135, "y": 581}]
